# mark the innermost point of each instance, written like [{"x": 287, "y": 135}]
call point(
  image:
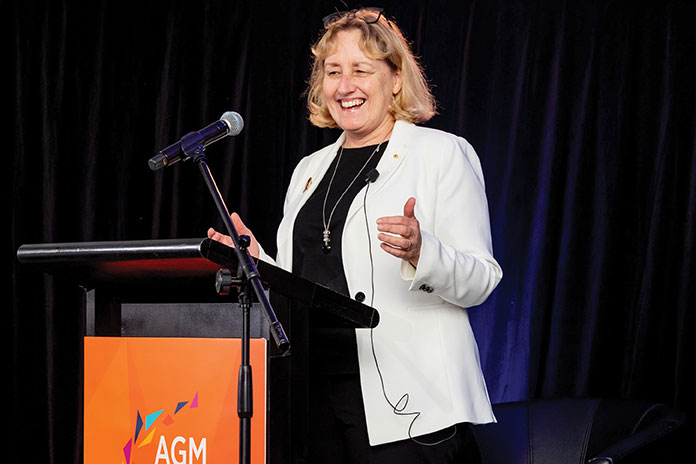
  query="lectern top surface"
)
[{"x": 91, "y": 264}]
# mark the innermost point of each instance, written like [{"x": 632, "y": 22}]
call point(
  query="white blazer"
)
[{"x": 424, "y": 345}]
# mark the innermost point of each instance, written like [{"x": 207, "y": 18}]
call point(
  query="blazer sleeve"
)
[{"x": 456, "y": 259}]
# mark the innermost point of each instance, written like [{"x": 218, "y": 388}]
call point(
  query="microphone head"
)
[
  {"x": 371, "y": 175},
  {"x": 234, "y": 121}
]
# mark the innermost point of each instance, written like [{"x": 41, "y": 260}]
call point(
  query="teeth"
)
[{"x": 352, "y": 103}]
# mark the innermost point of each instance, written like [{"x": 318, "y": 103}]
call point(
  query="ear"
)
[{"x": 398, "y": 81}]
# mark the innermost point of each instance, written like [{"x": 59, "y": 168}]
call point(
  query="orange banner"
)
[{"x": 169, "y": 400}]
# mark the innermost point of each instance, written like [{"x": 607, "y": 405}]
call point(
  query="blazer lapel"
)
[
  {"x": 312, "y": 176},
  {"x": 308, "y": 181}
]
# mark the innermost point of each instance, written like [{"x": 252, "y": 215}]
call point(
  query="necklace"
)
[{"x": 326, "y": 247}]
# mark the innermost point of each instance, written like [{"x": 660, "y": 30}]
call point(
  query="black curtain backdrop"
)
[{"x": 583, "y": 114}]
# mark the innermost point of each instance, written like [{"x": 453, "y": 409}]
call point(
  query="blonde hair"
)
[{"x": 380, "y": 40}]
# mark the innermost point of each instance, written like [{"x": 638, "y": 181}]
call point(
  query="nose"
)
[{"x": 346, "y": 85}]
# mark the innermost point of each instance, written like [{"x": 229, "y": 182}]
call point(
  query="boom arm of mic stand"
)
[{"x": 244, "y": 258}]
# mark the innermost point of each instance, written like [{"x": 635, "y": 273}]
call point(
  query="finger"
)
[
  {"x": 218, "y": 237},
  {"x": 396, "y": 251},
  {"x": 395, "y": 220},
  {"x": 392, "y": 220},
  {"x": 396, "y": 241},
  {"x": 215, "y": 235},
  {"x": 398, "y": 229},
  {"x": 409, "y": 208},
  {"x": 239, "y": 224}
]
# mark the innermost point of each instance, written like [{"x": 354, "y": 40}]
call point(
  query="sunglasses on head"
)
[{"x": 370, "y": 15}]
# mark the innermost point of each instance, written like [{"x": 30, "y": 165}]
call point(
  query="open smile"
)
[{"x": 352, "y": 103}]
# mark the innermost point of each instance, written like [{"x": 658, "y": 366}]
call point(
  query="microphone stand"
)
[{"x": 249, "y": 278}]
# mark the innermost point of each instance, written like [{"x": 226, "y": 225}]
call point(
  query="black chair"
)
[{"x": 580, "y": 431}]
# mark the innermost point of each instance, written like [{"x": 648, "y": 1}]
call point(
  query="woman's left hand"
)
[{"x": 401, "y": 235}]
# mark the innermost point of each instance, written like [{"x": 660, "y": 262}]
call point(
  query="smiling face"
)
[{"x": 358, "y": 91}]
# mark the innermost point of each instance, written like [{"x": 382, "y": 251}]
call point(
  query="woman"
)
[{"x": 413, "y": 240}]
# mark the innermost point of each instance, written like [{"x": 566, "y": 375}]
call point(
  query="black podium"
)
[{"x": 166, "y": 288}]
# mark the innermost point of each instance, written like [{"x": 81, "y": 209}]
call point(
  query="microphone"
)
[
  {"x": 371, "y": 175},
  {"x": 230, "y": 123}
]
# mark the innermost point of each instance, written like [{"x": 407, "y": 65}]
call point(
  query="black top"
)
[
  {"x": 308, "y": 259},
  {"x": 334, "y": 349}
]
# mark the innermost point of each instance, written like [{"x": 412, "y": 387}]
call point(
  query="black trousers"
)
[{"x": 338, "y": 431}]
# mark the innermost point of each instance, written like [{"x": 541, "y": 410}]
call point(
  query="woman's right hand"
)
[{"x": 241, "y": 230}]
